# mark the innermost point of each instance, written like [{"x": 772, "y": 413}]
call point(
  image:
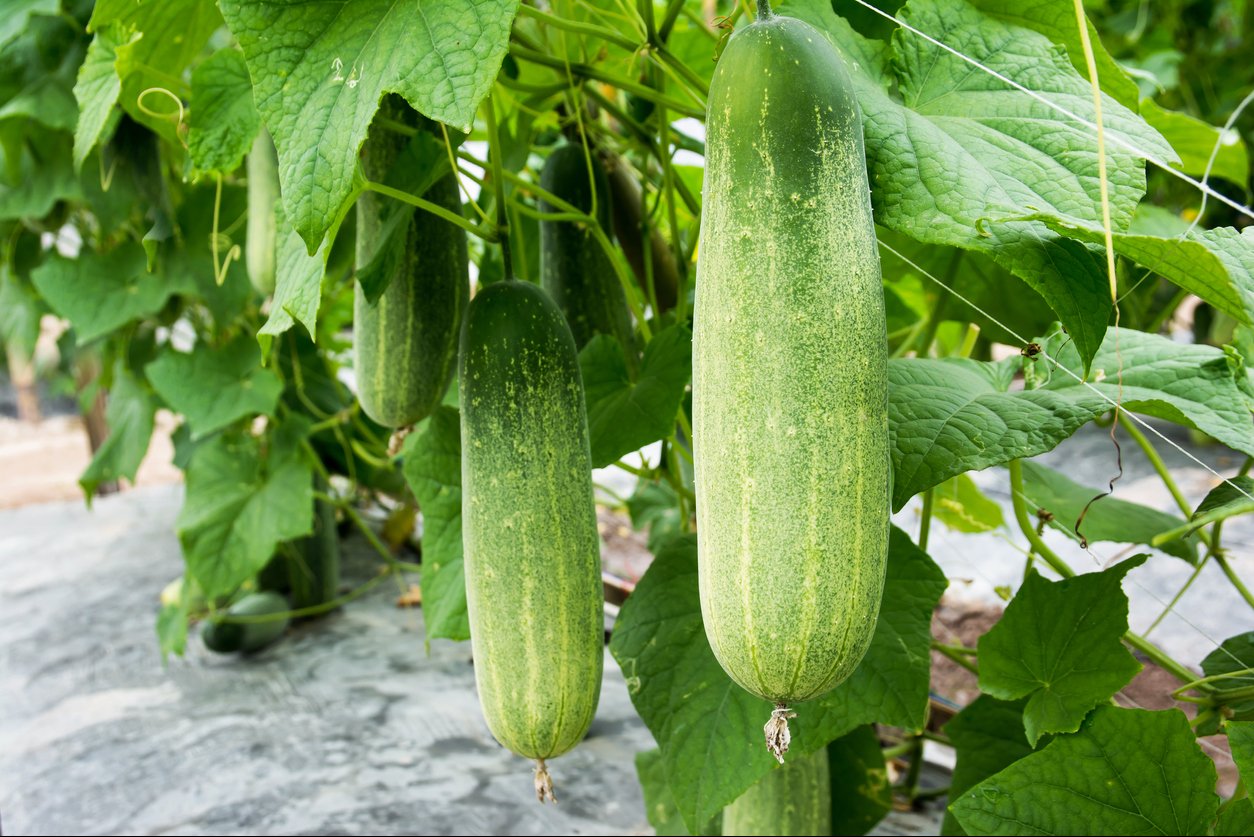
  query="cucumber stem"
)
[
  {"x": 777, "y": 735},
  {"x": 544, "y": 783},
  {"x": 765, "y": 13}
]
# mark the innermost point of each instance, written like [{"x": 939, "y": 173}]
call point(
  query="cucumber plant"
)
[{"x": 778, "y": 363}]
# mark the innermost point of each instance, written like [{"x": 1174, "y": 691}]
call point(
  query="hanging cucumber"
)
[
  {"x": 405, "y": 343},
  {"x": 261, "y": 244},
  {"x": 227, "y": 637},
  {"x": 532, "y": 552},
  {"x": 314, "y": 565},
  {"x": 574, "y": 269},
  {"x": 795, "y": 799},
  {"x": 789, "y": 372}
]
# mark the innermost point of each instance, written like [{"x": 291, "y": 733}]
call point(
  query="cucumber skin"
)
[
  {"x": 314, "y": 570},
  {"x": 532, "y": 550},
  {"x": 790, "y": 358},
  {"x": 226, "y": 637},
  {"x": 262, "y": 238},
  {"x": 795, "y": 799},
  {"x": 405, "y": 344},
  {"x": 574, "y": 270}
]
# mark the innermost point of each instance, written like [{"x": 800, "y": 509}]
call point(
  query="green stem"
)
[
  {"x": 1180, "y": 593},
  {"x": 378, "y": 545},
  {"x": 925, "y": 526},
  {"x": 1196, "y": 685},
  {"x": 579, "y": 28},
  {"x": 434, "y": 209},
  {"x": 696, "y": 84},
  {"x": 1235, "y": 579},
  {"x": 585, "y": 71},
  {"x": 498, "y": 186},
  {"x": 958, "y": 656},
  {"x": 668, "y": 22},
  {"x": 1159, "y": 657},
  {"x": 1157, "y": 461},
  {"x": 312, "y": 610},
  {"x": 910, "y": 787},
  {"x": 764, "y": 10},
  {"x": 1164, "y": 314}
]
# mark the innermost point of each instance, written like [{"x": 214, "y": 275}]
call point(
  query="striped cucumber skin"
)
[
  {"x": 532, "y": 551},
  {"x": 405, "y": 344},
  {"x": 261, "y": 242},
  {"x": 795, "y": 799},
  {"x": 574, "y": 270},
  {"x": 790, "y": 361}
]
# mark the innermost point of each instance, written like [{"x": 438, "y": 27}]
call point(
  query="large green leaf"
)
[
  {"x": 622, "y": 416},
  {"x": 98, "y": 293},
  {"x": 1127, "y": 771},
  {"x": 18, "y": 14},
  {"x": 1059, "y": 644},
  {"x": 1013, "y": 151},
  {"x": 1108, "y": 519},
  {"x": 214, "y": 386},
  {"x": 433, "y": 469},
  {"x": 988, "y": 737},
  {"x": 709, "y": 729},
  {"x": 659, "y": 803},
  {"x": 320, "y": 84},
  {"x": 224, "y": 120},
  {"x": 955, "y": 415},
  {"x": 130, "y": 419},
  {"x": 243, "y": 499},
  {"x": 96, "y": 91}
]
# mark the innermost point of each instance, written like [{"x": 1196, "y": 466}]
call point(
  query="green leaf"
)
[
  {"x": 1236, "y": 250},
  {"x": 1013, "y": 151},
  {"x": 622, "y": 416},
  {"x": 99, "y": 293},
  {"x": 659, "y": 802},
  {"x": 214, "y": 386},
  {"x": 18, "y": 14},
  {"x": 130, "y": 420},
  {"x": 1241, "y": 742},
  {"x": 1236, "y": 820},
  {"x": 954, "y": 415},
  {"x": 323, "y": 81},
  {"x": 155, "y": 41},
  {"x": 709, "y": 729},
  {"x": 862, "y": 794},
  {"x": 1128, "y": 771},
  {"x": 1234, "y": 658},
  {"x": 1108, "y": 519},
  {"x": 224, "y": 120},
  {"x": 961, "y": 506},
  {"x": 1189, "y": 263},
  {"x": 1227, "y": 495},
  {"x": 1195, "y": 141},
  {"x": 44, "y": 175},
  {"x": 96, "y": 91},
  {"x": 20, "y": 310},
  {"x": 654, "y": 506},
  {"x": 433, "y": 469},
  {"x": 172, "y": 626},
  {"x": 243, "y": 499},
  {"x": 297, "y": 284},
  {"x": 1059, "y": 645},
  {"x": 988, "y": 737},
  {"x": 1055, "y": 19}
]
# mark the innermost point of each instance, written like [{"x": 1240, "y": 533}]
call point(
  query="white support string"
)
[{"x": 1114, "y": 138}]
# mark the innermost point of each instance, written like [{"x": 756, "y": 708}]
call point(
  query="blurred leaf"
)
[
  {"x": 862, "y": 794},
  {"x": 223, "y": 120},
  {"x": 130, "y": 420},
  {"x": 215, "y": 386},
  {"x": 961, "y": 506}
]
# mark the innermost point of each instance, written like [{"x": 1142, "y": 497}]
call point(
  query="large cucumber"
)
[
  {"x": 405, "y": 343},
  {"x": 790, "y": 381},
  {"x": 574, "y": 268},
  {"x": 532, "y": 552},
  {"x": 261, "y": 244},
  {"x": 795, "y": 799}
]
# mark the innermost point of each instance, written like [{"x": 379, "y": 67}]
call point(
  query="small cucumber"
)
[
  {"x": 261, "y": 243},
  {"x": 228, "y": 637}
]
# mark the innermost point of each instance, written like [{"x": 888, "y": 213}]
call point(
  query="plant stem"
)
[
  {"x": 925, "y": 525},
  {"x": 1157, "y": 461},
  {"x": 579, "y": 28},
  {"x": 764, "y": 10},
  {"x": 1165, "y": 313},
  {"x": 312, "y": 610},
  {"x": 433, "y": 208},
  {"x": 1176, "y": 598},
  {"x": 498, "y": 186},
  {"x": 957, "y": 655},
  {"x": 910, "y": 787},
  {"x": 1235, "y": 579}
]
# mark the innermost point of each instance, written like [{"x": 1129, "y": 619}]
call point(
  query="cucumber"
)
[
  {"x": 790, "y": 373},
  {"x": 795, "y": 799},
  {"x": 532, "y": 551},
  {"x": 574, "y": 269},
  {"x": 227, "y": 637},
  {"x": 627, "y": 209},
  {"x": 405, "y": 343},
  {"x": 314, "y": 565},
  {"x": 261, "y": 243}
]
